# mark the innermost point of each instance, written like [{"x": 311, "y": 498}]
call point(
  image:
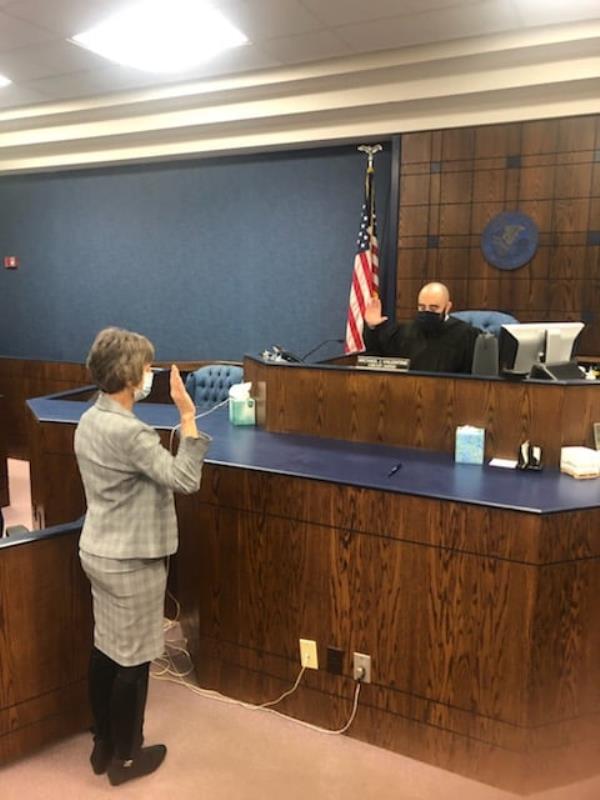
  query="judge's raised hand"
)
[
  {"x": 185, "y": 404},
  {"x": 373, "y": 312}
]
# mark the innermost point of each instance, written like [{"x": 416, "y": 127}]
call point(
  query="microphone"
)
[
  {"x": 277, "y": 353},
  {"x": 324, "y": 342}
]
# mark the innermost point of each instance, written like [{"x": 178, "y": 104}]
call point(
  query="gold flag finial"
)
[{"x": 370, "y": 150}]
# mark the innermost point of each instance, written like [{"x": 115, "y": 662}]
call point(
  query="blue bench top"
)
[{"x": 423, "y": 473}]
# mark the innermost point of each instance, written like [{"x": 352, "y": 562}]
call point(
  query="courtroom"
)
[{"x": 300, "y": 399}]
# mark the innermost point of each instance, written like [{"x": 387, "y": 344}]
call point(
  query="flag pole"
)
[
  {"x": 370, "y": 150},
  {"x": 365, "y": 275}
]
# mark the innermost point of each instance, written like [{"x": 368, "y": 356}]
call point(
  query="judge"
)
[{"x": 433, "y": 340}]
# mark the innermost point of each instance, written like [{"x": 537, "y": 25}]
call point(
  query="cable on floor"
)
[{"x": 164, "y": 669}]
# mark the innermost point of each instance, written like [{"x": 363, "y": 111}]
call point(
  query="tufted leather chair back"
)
[
  {"x": 210, "y": 385},
  {"x": 487, "y": 321}
]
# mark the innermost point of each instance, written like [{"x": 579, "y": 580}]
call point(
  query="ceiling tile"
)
[
  {"x": 17, "y": 33},
  {"x": 43, "y": 60},
  {"x": 431, "y": 26},
  {"x": 116, "y": 78},
  {"x": 65, "y": 17},
  {"x": 346, "y": 12},
  {"x": 307, "y": 47},
  {"x": 264, "y": 19},
  {"x": 236, "y": 60},
  {"x": 555, "y": 11},
  {"x": 35, "y": 54},
  {"x": 93, "y": 82}
]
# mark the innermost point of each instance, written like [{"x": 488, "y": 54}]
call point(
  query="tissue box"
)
[
  {"x": 470, "y": 445},
  {"x": 580, "y": 462},
  {"x": 242, "y": 412}
]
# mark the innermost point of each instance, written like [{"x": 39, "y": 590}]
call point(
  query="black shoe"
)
[
  {"x": 101, "y": 756},
  {"x": 146, "y": 761}
]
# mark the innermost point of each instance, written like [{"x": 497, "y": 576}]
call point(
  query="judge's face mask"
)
[{"x": 430, "y": 321}]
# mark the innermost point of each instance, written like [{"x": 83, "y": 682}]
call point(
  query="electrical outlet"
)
[
  {"x": 308, "y": 654},
  {"x": 362, "y": 667},
  {"x": 335, "y": 660}
]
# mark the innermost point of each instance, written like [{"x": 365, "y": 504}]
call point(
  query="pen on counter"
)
[{"x": 394, "y": 470}]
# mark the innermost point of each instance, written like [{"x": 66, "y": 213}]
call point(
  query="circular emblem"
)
[{"x": 509, "y": 240}]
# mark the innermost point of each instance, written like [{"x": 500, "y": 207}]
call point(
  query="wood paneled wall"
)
[
  {"x": 21, "y": 379},
  {"x": 45, "y": 641},
  {"x": 481, "y": 623},
  {"x": 453, "y": 182},
  {"x": 420, "y": 410},
  {"x": 4, "y": 493}
]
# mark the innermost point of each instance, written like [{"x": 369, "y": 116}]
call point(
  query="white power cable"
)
[
  {"x": 168, "y": 672},
  {"x": 198, "y": 416},
  {"x": 168, "y": 624},
  {"x": 165, "y": 670}
]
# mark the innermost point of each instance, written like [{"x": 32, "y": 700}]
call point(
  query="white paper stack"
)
[{"x": 580, "y": 462}]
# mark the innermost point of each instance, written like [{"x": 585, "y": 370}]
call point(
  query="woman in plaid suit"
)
[{"x": 130, "y": 528}]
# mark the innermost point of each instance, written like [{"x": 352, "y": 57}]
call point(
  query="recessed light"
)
[
  {"x": 162, "y": 35},
  {"x": 4, "y": 81}
]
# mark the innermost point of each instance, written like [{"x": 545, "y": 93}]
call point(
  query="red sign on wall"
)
[{"x": 11, "y": 262}]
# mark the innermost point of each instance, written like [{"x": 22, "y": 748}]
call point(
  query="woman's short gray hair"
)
[{"x": 117, "y": 359}]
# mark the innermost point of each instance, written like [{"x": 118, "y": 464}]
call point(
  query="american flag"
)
[{"x": 365, "y": 277}]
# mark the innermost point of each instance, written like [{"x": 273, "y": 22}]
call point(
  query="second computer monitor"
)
[
  {"x": 523, "y": 346},
  {"x": 561, "y": 341}
]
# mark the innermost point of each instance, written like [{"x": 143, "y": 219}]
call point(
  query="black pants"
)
[{"x": 118, "y": 699}]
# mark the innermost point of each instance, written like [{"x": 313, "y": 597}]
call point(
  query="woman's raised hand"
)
[{"x": 179, "y": 395}]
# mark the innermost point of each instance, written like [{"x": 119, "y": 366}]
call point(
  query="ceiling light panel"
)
[{"x": 163, "y": 36}]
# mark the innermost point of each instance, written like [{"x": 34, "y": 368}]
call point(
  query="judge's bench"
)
[{"x": 474, "y": 590}]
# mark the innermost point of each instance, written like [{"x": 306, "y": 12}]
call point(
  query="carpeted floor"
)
[{"x": 222, "y": 752}]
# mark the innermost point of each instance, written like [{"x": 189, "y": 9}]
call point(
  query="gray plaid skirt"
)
[{"x": 129, "y": 598}]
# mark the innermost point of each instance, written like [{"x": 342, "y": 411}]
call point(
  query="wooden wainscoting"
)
[
  {"x": 481, "y": 623},
  {"x": 45, "y": 641},
  {"x": 21, "y": 379},
  {"x": 453, "y": 182},
  {"x": 420, "y": 410},
  {"x": 4, "y": 492}
]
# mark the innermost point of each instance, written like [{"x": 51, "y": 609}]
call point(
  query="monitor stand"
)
[{"x": 563, "y": 371}]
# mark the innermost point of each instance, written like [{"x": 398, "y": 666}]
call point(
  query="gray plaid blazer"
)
[{"x": 129, "y": 479}]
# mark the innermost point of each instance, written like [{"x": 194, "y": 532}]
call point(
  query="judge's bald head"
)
[{"x": 434, "y": 297}]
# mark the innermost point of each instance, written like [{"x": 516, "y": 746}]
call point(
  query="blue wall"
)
[{"x": 210, "y": 259}]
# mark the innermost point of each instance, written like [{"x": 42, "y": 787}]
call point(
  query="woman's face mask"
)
[{"x": 144, "y": 390}]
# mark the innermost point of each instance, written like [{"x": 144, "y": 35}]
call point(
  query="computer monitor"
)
[
  {"x": 561, "y": 341},
  {"x": 523, "y": 347},
  {"x": 520, "y": 347}
]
